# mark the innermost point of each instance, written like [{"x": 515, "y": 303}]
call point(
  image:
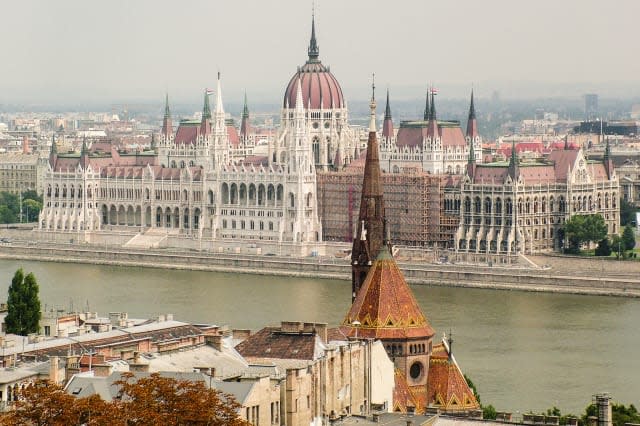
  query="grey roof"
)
[
  {"x": 15, "y": 374},
  {"x": 240, "y": 390}
]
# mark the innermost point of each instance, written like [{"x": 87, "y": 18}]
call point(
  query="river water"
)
[{"x": 524, "y": 351}]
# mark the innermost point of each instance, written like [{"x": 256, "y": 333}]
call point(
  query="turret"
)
[
  {"x": 370, "y": 227},
  {"x": 387, "y": 125},
  {"x": 84, "y": 154},
  {"x": 220, "y": 125}
]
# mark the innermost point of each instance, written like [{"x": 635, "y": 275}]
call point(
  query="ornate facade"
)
[
  {"x": 432, "y": 145},
  {"x": 521, "y": 206}
]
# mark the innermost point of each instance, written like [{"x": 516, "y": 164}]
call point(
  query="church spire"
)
[
  {"x": 314, "y": 50},
  {"x": 608, "y": 162},
  {"x": 432, "y": 130},
  {"x": 387, "y": 125},
  {"x": 370, "y": 228},
  {"x": 205, "y": 123}
]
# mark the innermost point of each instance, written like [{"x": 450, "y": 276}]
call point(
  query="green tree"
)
[
  {"x": 620, "y": 414},
  {"x": 473, "y": 388},
  {"x": 31, "y": 210},
  {"x": 489, "y": 412},
  {"x": 23, "y": 304},
  {"x": 627, "y": 212},
  {"x": 628, "y": 238},
  {"x": 604, "y": 248},
  {"x": 581, "y": 229}
]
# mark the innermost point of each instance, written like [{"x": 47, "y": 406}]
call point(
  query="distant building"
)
[
  {"x": 18, "y": 172},
  {"x": 591, "y": 111}
]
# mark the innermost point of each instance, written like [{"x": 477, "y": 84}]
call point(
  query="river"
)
[{"x": 524, "y": 351}]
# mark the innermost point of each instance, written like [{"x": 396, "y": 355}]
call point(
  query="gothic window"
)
[
  {"x": 477, "y": 205},
  {"x": 498, "y": 206},
  {"x": 467, "y": 205},
  {"x": 316, "y": 147},
  {"x": 487, "y": 205}
]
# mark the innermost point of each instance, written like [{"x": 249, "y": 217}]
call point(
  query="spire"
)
[
  {"x": 472, "y": 123},
  {"x": 245, "y": 109},
  {"x": 206, "y": 109},
  {"x": 608, "y": 162},
  {"x": 244, "y": 126},
  {"x": 372, "y": 104},
  {"x": 566, "y": 142},
  {"x": 370, "y": 229},
  {"x": 153, "y": 142},
  {"x": 450, "y": 342},
  {"x": 426, "y": 108},
  {"x": 514, "y": 166},
  {"x": 387, "y": 125},
  {"x": 54, "y": 146},
  {"x": 219, "y": 106},
  {"x": 313, "y": 51},
  {"x": 84, "y": 154},
  {"x": 432, "y": 130},
  {"x": 83, "y": 150},
  {"x": 167, "y": 125}
]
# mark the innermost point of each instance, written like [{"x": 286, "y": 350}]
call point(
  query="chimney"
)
[
  {"x": 321, "y": 329},
  {"x": 376, "y": 418},
  {"x": 604, "y": 409},
  {"x": 291, "y": 326},
  {"x": 54, "y": 370},
  {"x": 101, "y": 370},
  {"x": 215, "y": 341},
  {"x": 241, "y": 334}
]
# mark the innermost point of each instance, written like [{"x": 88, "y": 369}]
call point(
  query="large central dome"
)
[{"x": 320, "y": 89}]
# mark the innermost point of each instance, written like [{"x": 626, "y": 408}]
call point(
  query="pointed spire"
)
[
  {"x": 450, "y": 342},
  {"x": 83, "y": 150},
  {"x": 244, "y": 126},
  {"x": 426, "y": 108},
  {"x": 372, "y": 104},
  {"x": 167, "y": 125},
  {"x": 566, "y": 142},
  {"x": 371, "y": 215},
  {"x": 299, "y": 101},
  {"x": 608, "y": 162},
  {"x": 432, "y": 130},
  {"x": 514, "y": 166},
  {"x": 206, "y": 109},
  {"x": 153, "y": 142},
  {"x": 54, "y": 146},
  {"x": 387, "y": 125},
  {"x": 314, "y": 50},
  {"x": 245, "y": 109},
  {"x": 219, "y": 106},
  {"x": 472, "y": 123}
]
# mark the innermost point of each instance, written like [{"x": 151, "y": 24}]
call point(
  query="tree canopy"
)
[
  {"x": 148, "y": 401},
  {"x": 581, "y": 229},
  {"x": 23, "y": 304},
  {"x": 10, "y": 207},
  {"x": 628, "y": 238}
]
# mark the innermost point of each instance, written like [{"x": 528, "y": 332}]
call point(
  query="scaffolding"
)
[{"x": 413, "y": 203}]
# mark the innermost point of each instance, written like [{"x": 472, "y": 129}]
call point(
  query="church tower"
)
[
  {"x": 473, "y": 136},
  {"x": 433, "y": 154},
  {"x": 369, "y": 229}
]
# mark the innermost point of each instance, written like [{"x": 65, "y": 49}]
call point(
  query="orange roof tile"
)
[
  {"x": 447, "y": 388},
  {"x": 385, "y": 305}
]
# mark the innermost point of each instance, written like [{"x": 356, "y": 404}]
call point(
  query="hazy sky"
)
[{"x": 66, "y": 50}]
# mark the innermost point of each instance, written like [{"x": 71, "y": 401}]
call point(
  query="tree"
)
[
  {"x": 23, "y": 304},
  {"x": 581, "y": 229},
  {"x": 628, "y": 238},
  {"x": 627, "y": 212},
  {"x": 162, "y": 400},
  {"x": 604, "y": 248},
  {"x": 152, "y": 400}
]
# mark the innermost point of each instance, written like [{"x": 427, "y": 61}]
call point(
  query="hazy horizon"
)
[{"x": 77, "y": 52}]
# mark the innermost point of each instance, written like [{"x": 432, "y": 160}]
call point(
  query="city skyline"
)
[{"x": 74, "y": 52}]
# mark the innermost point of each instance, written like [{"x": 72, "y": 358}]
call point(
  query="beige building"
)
[
  {"x": 629, "y": 175},
  {"x": 18, "y": 172}
]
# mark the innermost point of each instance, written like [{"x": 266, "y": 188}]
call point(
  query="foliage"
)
[
  {"x": 620, "y": 414},
  {"x": 473, "y": 388},
  {"x": 581, "y": 229},
  {"x": 151, "y": 400},
  {"x": 563, "y": 419},
  {"x": 489, "y": 412},
  {"x": 23, "y": 304},
  {"x": 628, "y": 238},
  {"x": 604, "y": 248},
  {"x": 627, "y": 212},
  {"x": 10, "y": 207}
]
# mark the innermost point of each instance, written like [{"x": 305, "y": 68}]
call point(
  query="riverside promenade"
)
[{"x": 557, "y": 274}]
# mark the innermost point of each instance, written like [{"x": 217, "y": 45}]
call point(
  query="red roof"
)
[{"x": 447, "y": 388}]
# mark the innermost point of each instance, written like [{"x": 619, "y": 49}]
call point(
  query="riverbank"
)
[{"x": 549, "y": 279}]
